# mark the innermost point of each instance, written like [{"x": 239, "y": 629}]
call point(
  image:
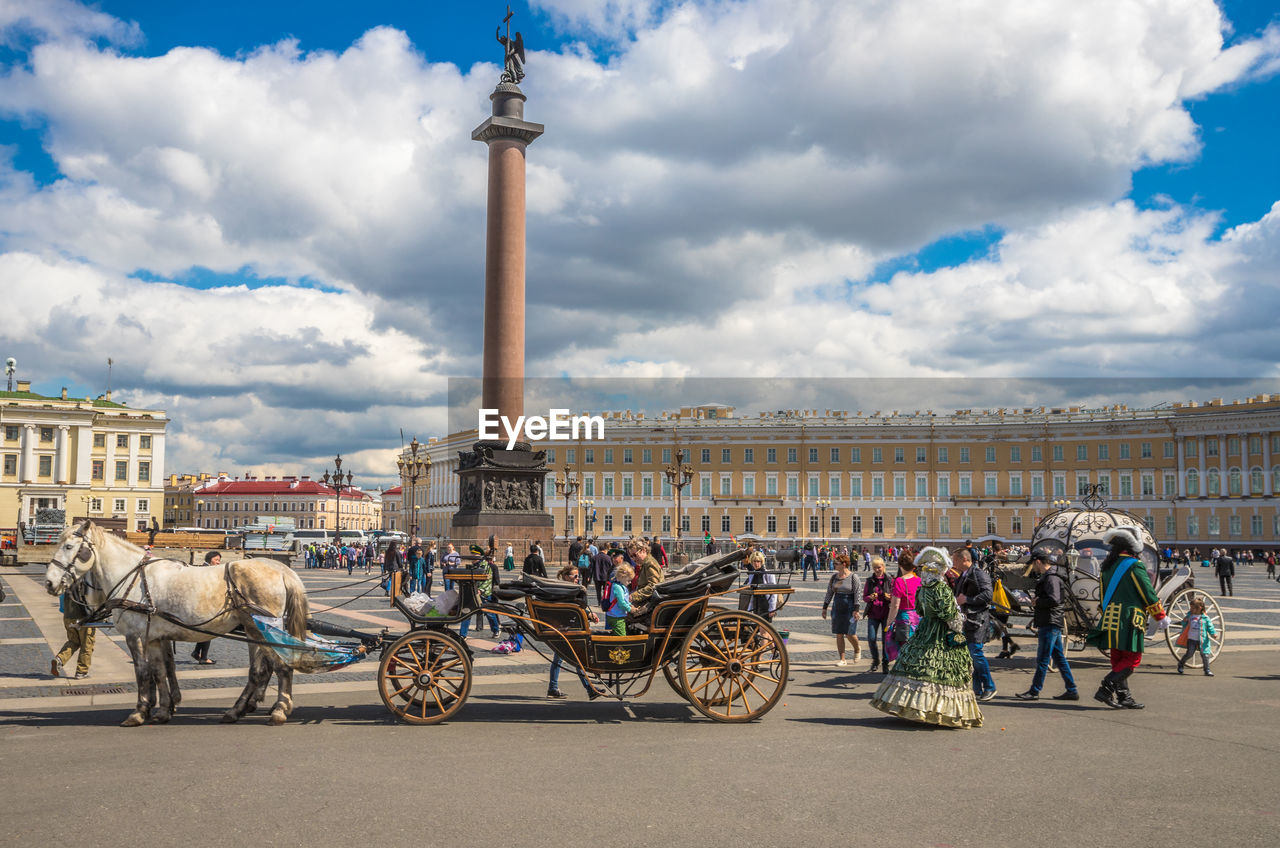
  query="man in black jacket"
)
[
  {"x": 1047, "y": 618},
  {"x": 533, "y": 563},
  {"x": 973, "y": 594},
  {"x": 1225, "y": 567}
]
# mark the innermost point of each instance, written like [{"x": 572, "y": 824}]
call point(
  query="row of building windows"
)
[
  {"x": 281, "y": 506},
  {"x": 12, "y": 433},
  {"x": 1128, "y": 485},
  {"x": 119, "y": 506},
  {"x": 835, "y": 455},
  {"x": 747, "y": 524},
  {"x": 44, "y": 468}
]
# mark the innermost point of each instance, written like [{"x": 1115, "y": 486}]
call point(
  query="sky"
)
[{"x": 270, "y": 216}]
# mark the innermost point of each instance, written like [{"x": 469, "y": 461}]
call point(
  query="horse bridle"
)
[{"x": 85, "y": 553}]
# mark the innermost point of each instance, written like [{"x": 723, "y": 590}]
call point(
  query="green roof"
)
[{"x": 100, "y": 403}]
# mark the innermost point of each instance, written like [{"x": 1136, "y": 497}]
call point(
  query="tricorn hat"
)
[{"x": 1125, "y": 537}]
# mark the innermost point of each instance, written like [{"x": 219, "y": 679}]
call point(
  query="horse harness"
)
[{"x": 137, "y": 576}]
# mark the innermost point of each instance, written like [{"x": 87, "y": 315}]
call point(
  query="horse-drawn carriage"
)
[
  {"x": 1075, "y": 533},
  {"x": 729, "y": 663}
]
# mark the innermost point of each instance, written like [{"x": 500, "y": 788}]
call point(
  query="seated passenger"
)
[
  {"x": 649, "y": 570},
  {"x": 617, "y": 602}
]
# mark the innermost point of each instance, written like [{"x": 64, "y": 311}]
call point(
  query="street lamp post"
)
[
  {"x": 413, "y": 467},
  {"x": 679, "y": 474},
  {"x": 823, "y": 504},
  {"x": 335, "y": 481},
  {"x": 587, "y": 518},
  {"x": 566, "y": 486}
]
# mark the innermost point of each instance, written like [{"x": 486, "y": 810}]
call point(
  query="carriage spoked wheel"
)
[
  {"x": 733, "y": 666},
  {"x": 671, "y": 671},
  {"x": 424, "y": 677},
  {"x": 1179, "y": 608}
]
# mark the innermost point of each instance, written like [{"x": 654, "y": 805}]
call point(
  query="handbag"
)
[
  {"x": 1181, "y": 641},
  {"x": 901, "y": 631}
]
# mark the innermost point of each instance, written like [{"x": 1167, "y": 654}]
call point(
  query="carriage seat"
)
[
  {"x": 714, "y": 577},
  {"x": 542, "y": 589}
]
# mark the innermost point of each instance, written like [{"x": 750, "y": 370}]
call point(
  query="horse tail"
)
[{"x": 296, "y": 607}]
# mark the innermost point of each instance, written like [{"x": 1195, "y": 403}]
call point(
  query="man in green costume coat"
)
[{"x": 1128, "y": 599}]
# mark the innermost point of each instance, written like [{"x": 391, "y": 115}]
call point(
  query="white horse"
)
[{"x": 152, "y": 598}]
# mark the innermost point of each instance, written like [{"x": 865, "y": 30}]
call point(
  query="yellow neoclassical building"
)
[
  {"x": 1199, "y": 474},
  {"x": 94, "y": 458}
]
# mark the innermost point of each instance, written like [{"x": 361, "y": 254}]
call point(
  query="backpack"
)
[
  {"x": 583, "y": 562},
  {"x": 609, "y": 600}
]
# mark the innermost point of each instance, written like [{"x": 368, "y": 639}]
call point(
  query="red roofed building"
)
[{"x": 226, "y": 503}]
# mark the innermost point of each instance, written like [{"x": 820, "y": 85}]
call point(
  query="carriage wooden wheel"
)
[
  {"x": 424, "y": 677},
  {"x": 1179, "y": 608},
  {"x": 733, "y": 666}
]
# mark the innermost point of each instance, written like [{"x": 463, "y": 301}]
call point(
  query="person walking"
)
[
  {"x": 1128, "y": 600},
  {"x": 973, "y": 594},
  {"x": 392, "y": 563},
  {"x": 569, "y": 574},
  {"x": 78, "y": 638},
  {"x": 534, "y": 564},
  {"x": 1225, "y": 569},
  {"x": 201, "y": 651},
  {"x": 1048, "y": 618},
  {"x": 930, "y": 680},
  {"x": 428, "y": 567},
  {"x": 875, "y": 591},
  {"x": 842, "y": 595},
  {"x": 808, "y": 560},
  {"x": 1271, "y": 565},
  {"x": 903, "y": 618},
  {"x": 416, "y": 565},
  {"x": 1197, "y": 630}
]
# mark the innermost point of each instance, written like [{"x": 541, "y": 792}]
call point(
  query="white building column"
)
[
  {"x": 27, "y": 462},
  {"x": 157, "y": 461},
  {"x": 134, "y": 438},
  {"x": 109, "y": 464},
  {"x": 62, "y": 459},
  {"x": 84, "y": 460}
]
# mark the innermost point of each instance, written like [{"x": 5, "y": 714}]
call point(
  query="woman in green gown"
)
[{"x": 930, "y": 682}]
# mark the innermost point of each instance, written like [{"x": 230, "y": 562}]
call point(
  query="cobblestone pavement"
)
[{"x": 31, "y": 632}]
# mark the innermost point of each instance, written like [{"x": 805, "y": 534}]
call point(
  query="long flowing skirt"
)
[{"x": 930, "y": 682}]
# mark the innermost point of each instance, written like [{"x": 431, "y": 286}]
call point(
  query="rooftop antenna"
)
[
  {"x": 10, "y": 366},
  {"x": 110, "y": 362}
]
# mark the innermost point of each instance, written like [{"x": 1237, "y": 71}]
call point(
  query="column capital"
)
[{"x": 501, "y": 127}]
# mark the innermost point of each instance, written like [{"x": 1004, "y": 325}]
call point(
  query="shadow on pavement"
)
[{"x": 879, "y": 722}]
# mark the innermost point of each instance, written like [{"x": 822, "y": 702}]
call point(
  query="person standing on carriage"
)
[
  {"x": 1128, "y": 600},
  {"x": 973, "y": 594},
  {"x": 1048, "y": 620}
]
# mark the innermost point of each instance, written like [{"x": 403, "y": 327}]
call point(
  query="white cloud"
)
[
  {"x": 62, "y": 20},
  {"x": 704, "y": 201}
]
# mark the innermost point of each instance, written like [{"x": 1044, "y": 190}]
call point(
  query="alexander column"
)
[{"x": 500, "y": 491}]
